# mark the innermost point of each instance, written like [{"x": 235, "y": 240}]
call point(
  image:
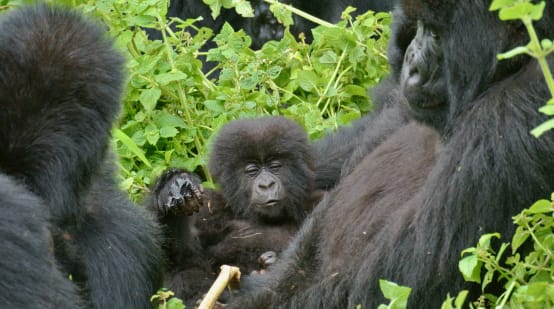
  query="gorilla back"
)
[
  {"x": 60, "y": 86},
  {"x": 412, "y": 200}
]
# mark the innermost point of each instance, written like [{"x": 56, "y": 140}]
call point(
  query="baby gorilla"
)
[{"x": 264, "y": 167}]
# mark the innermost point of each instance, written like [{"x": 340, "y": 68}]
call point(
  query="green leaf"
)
[
  {"x": 283, "y": 15},
  {"x": 542, "y": 128},
  {"x": 398, "y": 295},
  {"x": 175, "y": 303},
  {"x": 149, "y": 98},
  {"x": 540, "y": 207},
  {"x": 152, "y": 134},
  {"x": 460, "y": 299},
  {"x": 166, "y": 78},
  {"x": 521, "y": 10},
  {"x": 244, "y": 9},
  {"x": 128, "y": 142},
  {"x": 355, "y": 90},
  {"x": 274, "y": 71},
  {"x": 548, "y": 109},
  {"x": 307, "y": 80},
  {"x": 164, "y": 118},
  {"x": 499, "y": 4},
  {"x": 168, "y": 131},
  {"x": 485, "y": 240},
  {"x": 329, "y": 57},
  {"x": 470, "y": 267},
  {"x": 215, "y": 106}
]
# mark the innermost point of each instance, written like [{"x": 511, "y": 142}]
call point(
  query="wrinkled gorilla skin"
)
[
  {"x": 428, "y": 173},
  {"x": 264, "y": 167},
  {"x": 70, "y": 238},
  {"x": 263, "y": 26}
]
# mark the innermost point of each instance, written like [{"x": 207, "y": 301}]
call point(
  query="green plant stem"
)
[
  {"x": 301, "y": 13},
  {"x": 540, "y": 55},
  {"x": 506, "y": 295},
  {"x": 183, "y": 100},
  {"x": 537, "y": 242},
  {"x": 331, "y": 81}
]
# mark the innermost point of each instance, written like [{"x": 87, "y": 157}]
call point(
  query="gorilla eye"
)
[
  {"x": 251, "y": 169},
  {"x": 274, "y": 166}
]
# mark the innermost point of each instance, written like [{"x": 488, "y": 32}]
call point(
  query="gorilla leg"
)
[
  {"x": 30, "y": 274},
  {"x": 119, "y": 247}
]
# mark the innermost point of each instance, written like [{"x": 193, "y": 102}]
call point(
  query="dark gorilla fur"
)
[
  {"x": 407, "y": 198},
  {"x": 70, "y": 238},
  {"x": 230, "y": 228}
]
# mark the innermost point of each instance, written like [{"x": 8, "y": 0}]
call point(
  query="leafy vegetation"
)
[{"x": 173, "y": 106}]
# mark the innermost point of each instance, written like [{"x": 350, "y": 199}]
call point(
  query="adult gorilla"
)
[
  {"x": 69, "y": 237},
  {"x": 409, "y": 199}
]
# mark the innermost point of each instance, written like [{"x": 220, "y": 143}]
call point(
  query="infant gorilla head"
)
[{"x": 265, "y": 168}]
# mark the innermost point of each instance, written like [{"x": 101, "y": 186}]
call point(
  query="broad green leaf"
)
[
  {"x": 470, "y": 267},
  {"x": 548, "y": 109},
  {"x": 168, "y": 131},
  {"x": 540, "y": 206},
  {"x": 164, "y": 118},
  {"x": 398, "y": 295},
  {"x": 307, "y": 80},
  {"x": 166, "y": 78},
  {"x": 329, "y": 57},
  {"x": 152, "y": 134},
  {"x": 499, "y": 4},
  {"x": 215, "y": 106},
  {"x": 149, "y": 98},
  {"x": 128, "y": 142},
  {"x": 485, "y": 240},
  {"x": 520, "y": 236}
]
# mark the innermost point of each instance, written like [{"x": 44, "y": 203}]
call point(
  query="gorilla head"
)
[
  {"x": 266, "y": 166},
  {"x": 440, "y": 78}
]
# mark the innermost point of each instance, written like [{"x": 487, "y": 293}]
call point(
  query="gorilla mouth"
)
[
  {"x": 268, "y": 204},
  {"x": 428, "y": 104}
]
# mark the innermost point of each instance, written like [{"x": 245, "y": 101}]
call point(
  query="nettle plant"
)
[{"x": 174, "y": 105}]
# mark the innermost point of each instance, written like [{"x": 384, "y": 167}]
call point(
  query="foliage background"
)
[{"x": 173, "y": 105}]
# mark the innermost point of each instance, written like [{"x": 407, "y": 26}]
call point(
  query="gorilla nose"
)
[
  {"x": 266, "y": 185},
  {"x": 411, "y": 76},
  {"x": 413, "y": 79}
]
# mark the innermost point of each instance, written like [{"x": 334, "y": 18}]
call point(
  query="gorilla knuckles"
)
[{"x": 258, "y": 177}]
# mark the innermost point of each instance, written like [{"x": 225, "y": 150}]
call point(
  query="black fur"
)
[
  {"x": 230, "y": 228},
  {"x": 410, "y": 200},
  {"x": 60, "y": 86}
]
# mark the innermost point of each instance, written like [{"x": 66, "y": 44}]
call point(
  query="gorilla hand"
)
[
  {"x": 267, "y": 259},
  {"x": 179, "y": 192}
]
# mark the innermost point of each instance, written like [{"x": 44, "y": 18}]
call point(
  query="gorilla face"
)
[
  {"x": 267, "y": 192},
  {"x": 440, "y": 78},
  {"x": 422, "y": 78},
  {"x": 265, "y": 168}
]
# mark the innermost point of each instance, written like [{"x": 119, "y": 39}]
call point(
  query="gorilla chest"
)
[{"x": 369, "y": 198}]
